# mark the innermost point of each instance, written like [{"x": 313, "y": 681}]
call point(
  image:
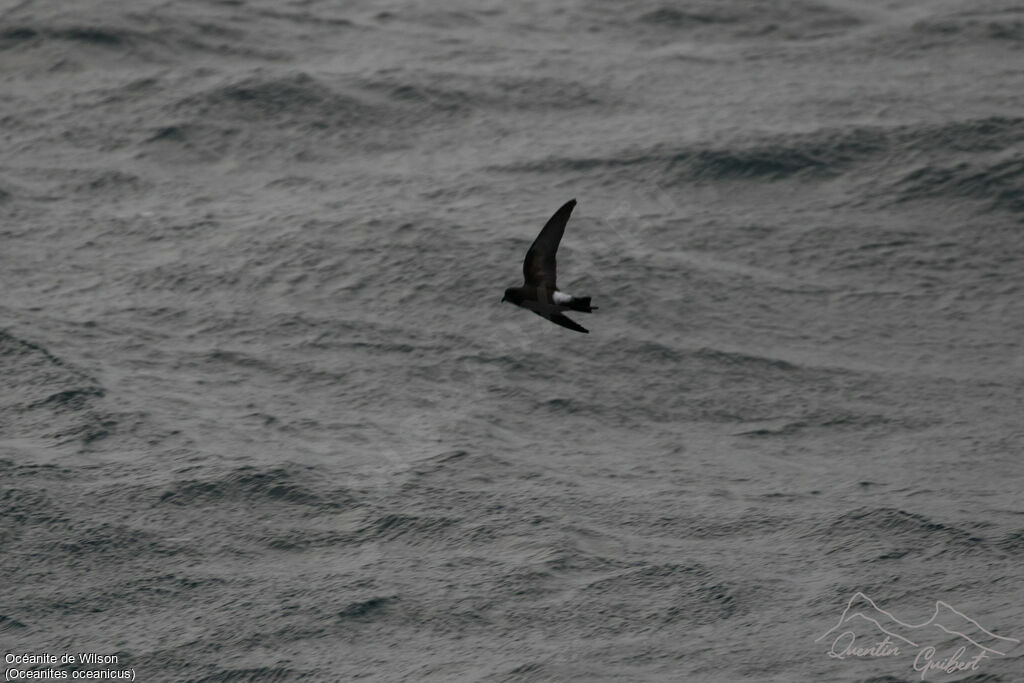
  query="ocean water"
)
[{"x": 264, "y": 417}]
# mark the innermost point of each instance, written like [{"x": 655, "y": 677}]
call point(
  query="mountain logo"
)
[{"x": 969, "y": 642}]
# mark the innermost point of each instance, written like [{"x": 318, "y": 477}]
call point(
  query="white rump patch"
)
[{"x": 561, "y": 298}]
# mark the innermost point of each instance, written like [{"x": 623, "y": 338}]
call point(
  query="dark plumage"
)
[{"x": 539, "y": 292}]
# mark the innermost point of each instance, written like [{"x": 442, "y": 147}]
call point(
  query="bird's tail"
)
[{"x": 582, "y": 304}]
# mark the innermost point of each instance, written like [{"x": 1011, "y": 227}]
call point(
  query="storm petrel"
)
[{"x": 539, "y": 293}]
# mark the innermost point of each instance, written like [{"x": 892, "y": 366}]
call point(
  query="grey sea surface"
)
[{"x": 264, "y": 418}]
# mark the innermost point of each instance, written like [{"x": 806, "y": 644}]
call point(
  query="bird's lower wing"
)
[{"x": 560, "y": 319}]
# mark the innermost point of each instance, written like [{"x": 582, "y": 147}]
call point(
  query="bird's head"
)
[{"x": 511, "y": 295}]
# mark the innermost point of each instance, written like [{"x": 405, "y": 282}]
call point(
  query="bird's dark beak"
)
[{"x": 504, "y": 298}]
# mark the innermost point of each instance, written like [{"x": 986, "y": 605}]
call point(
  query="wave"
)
[
  {"x": 48, "y": 398},
  {"x": 114, "y": 541},
  {"x": 744, "y": 360},
  {"x": 670, "y": 166},
  {"x": 277, "y": 486},
  {"x": 370, "y": 607},
  {"x": 963, "y": 160},
  {"x": 788, "y": 20},
  {"x": 258, "y": 674},
  {"x": 458, "y": 461},
  {"x": 10, "y": 624},
  {"x": 112, "y": 183},
  {"x": 1000, "y": 182},
  {"x": 886, "y": 533},
  {"x": 369, "y": 112},
  {"x": 104, "y": 36},
  {"x": 1012, "y": 542},
  {"x": 700, "y": 595},
  {"x": 831, "y": 420},
  {"x": 334, "y": 102},
  {"x": 296, "y": 97},
  {"x": 973, "y": 27},
  {"x": 155, "y": 38},
  {"x": 8, "y": 191},
  {"x": 413, "y": 529}
]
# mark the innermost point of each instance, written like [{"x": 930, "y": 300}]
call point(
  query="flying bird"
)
[{"x": 539, "y": 293}]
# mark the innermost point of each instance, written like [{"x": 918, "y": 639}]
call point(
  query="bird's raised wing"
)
[{"x": 539, "y": 266}]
